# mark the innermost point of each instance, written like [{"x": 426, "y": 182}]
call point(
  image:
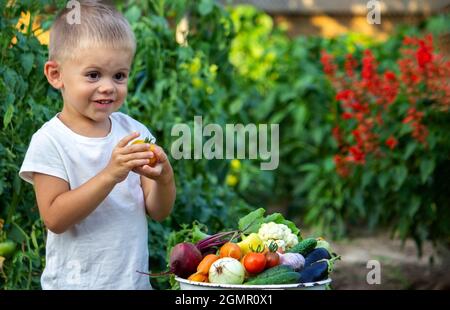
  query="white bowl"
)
[{"x": 192, "y": 285}]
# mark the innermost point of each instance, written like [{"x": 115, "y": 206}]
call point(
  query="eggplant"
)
[
  {"x": 315, "y": 272},
  {"x": 316, "y": 255}
]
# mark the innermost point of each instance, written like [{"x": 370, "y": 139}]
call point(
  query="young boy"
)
[{"x": 93, "y": 187}]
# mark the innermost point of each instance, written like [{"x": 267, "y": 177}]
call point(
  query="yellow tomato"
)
[
  {"x": 154, "y": 159},
  {"x": 231, "y": 180}
]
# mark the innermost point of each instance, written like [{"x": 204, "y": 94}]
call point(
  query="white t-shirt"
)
[{"x": 104, "y": 250}]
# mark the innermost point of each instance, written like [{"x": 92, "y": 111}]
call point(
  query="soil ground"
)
[{"x": 400, "y": 265}]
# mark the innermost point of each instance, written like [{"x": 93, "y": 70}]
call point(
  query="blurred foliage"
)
[
  {"x": 169, "y": 84},
  {"x": 237, "y": 67},
  {"x": 404, "y": 192}
]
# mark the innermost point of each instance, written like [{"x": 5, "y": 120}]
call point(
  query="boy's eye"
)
[
  {"x": 120, "y": 76},
  {"x": 93, "y": 76}
]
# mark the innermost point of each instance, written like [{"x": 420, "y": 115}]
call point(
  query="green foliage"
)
[
  {"x": 169, "y": 84},
  {"x": 403, "y": 191},
  {"x": 27, "y": 102},
  {"x": 236, "y": 67}
]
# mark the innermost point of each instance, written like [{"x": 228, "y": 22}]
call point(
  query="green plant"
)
[
  {"x": 169, "y": 84},
  {"x": 391, "y": 134}
]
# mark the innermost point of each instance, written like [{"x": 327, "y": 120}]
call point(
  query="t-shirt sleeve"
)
[{"x": 42, "y": 156}]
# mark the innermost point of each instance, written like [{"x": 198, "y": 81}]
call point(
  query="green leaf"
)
[
  {"x": 317, "y": 135},
  {"x": 133, "y": 14},
  {"x": 382, "y": 180},
  {"x": 34, "y": 240},
  {"x": 17, "y": 234},
  {"x": 236, "y": 105},
  {"x": 205, "y": 7},
  {"x": 300, "y": 117},
  {"x": 27, "y": 61},
  {"x": 328, "y": 164},
  {"x": 414, "y": 206},
  {"x": 410, "y": 148},
  {"x": 8, "y": 115},
  {"x": 400, "y": 175},
  {"x": 426, "y": 168},
  {"x": 11, "y": 78},
  {"x": 280, "y": 115},
  {"x": 252, "y": 221},
  {"x": 308, "y": 167},
  {"x": 366, "y": 178}
]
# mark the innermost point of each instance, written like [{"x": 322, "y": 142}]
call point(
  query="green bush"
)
[
  {"x": 169, "y": 84},
  {"x": 403, "y": 190},
  {"x": 236, "y": 67}
]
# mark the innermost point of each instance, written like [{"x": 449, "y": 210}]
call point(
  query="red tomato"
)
[
  {"x": 272, "y": 259},
  {"x": 254, "y": 262}
]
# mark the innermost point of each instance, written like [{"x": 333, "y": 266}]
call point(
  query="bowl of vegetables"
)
[
  {"x": 192, "y": 285},
  {"x": 265, "y": 252}
]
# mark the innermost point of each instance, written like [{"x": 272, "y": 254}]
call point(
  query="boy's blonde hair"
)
[{"x": 100, "y": 25}]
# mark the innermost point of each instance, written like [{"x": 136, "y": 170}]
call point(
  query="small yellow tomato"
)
[{"x": 154, "y": 159}]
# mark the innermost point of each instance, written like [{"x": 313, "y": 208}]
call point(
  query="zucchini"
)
[
  {"x": 286, "y": 277},
  {"x": 304, "y": 247}
]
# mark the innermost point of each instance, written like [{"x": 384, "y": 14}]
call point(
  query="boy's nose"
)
[{"x": 106, "y": 87}]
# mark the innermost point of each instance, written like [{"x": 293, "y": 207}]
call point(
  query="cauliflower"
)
[{"x": 278, "y": 233}]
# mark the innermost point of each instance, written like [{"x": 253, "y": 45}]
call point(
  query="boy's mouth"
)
[{"x": 104, "y": 101}]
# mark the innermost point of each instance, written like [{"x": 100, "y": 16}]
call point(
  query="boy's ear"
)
[{"x": 52, "y": 71}]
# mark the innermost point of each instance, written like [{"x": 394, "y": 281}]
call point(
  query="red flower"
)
[
  {"x": 350, "y": 65},
  {"x": 366, "y": 99},
  {"x": 391, "y": 142},
  {"x": 368, "y": 65},
  {"x": 341, "y": 165},
  {"x": 389, "y": 76},
  {"x": 356, "y": 155},
  {"x": 327, "y": 61},
  {"x": 344, "y": 95},
  {"x": 423, "y": 54},
  {"x": 336, "y": 134},
  {"x": 347, "y": 115}
]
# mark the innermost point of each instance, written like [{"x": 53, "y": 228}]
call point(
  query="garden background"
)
[{"x": 364, "y": 130}]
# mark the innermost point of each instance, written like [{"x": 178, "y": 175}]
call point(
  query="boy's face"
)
[{"x": 94, "y": 84}]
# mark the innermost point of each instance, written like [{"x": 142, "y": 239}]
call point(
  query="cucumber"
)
[
  {"x": 286, "y": 277},
  {"x": 304, "y": 247},
  {"x": 273, "y": 271}
]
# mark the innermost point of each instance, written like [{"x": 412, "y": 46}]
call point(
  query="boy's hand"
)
[
  {"x": 162, "y": 171},
  {"x": 125, "y": 158}
]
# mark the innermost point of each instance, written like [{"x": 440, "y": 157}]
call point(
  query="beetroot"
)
[
  {"x": 184, "y": 259},
  {"x": 186, "y": 256}
]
